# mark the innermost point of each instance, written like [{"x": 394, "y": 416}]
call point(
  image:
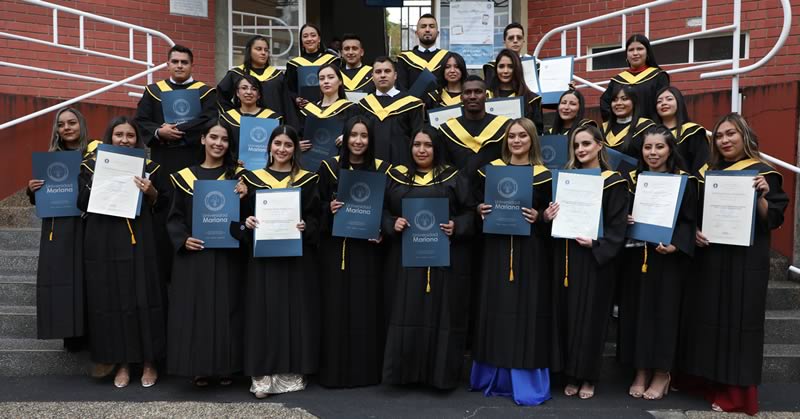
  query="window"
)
[
  {"x": 676, "y": 52},
  {"x": 277, "y": 21}
]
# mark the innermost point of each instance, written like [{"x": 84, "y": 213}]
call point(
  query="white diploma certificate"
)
[
  {"x": 355, "y": 97},
  {"x": 728, "y": 209},
  {"x": 439, "y": 116},
  {"x": 114, "y": 191},
  {"x": 278, "y": 213},
  {"x": 510, "y": 107},
  {"x": 580, "y": 199},
  {"x": 656, "y": 199},
  {"x": 555, "y": 74},
  {"x": 529, "y": 74}
]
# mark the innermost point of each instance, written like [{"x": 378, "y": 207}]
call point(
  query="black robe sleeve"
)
[
  {"x": 402, "y": 75},
  {"x": 533, "y": 111},
  {"x": 179, "y": 219},
  {"x": 309, "y": 195},
  {"x": 84, "y": 186},
  {"x": 686, "y": 224},
  {"x": 463, "y": 217},
  {"x": 615, "y": 223},
  {"x": 697, "y": 151},
  {"x": 291, "y": 82},
  {"x": 777, "y": 201},
  {"x": 145, "y": 120},
  {"x": 326, "y": 188},
  {"x": 226, "y": 90},
  {"x": 388, "y": 219}
]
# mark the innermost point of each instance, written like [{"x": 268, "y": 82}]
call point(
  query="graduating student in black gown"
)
[
  {"x": 570, "y": 114},
  {"x": 624, "y": 128},
  {"x": 247, "y": 104},
  {"x": 59, "y": 275},
  {"x": 643, "y": 75},
  {"x": 312, "y": 55},
  {"x": 271, "y": 81},
  {"x": 356, "y": 75},
  {"x": 123, "y": 289},
  {"x": 723, "y": 323},
  {"x": 206, "y": 313},
  {"x": 425, "y": 56},
  {"x": 453, "y": 75},
  {"x": 282, "y": 301},
  {"x": 693, "y": 145},
  {"x": 514, "y": 338},
  {"x": 585, "y": 270},
  {"x": 651, "y": 296},
  {"x": 352, "y": 289},
  {"x": 426, "y": 308},
  {"x": 509, "y": 81}
]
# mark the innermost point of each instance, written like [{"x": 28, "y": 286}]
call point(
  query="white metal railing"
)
[
  {"x": 266, "y": 29},
  {"x": 82, "y": 16}
]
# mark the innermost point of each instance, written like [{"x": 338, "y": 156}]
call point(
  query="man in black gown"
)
[
  {"x": 356, "y": 76},
  {"x": 423, "y": 56}
]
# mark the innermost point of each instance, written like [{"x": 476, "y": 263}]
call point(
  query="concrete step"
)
[
  {"x": 18, "y": 262},
  {"x": 18, "y": 290},
  {"x": 783, "y": 295},
  {"x": 19, "y": 216},
  {"x": 19, "y": 238},
  {"x": 782, "y": 327},
  {"x": 781, "y": 364},
  {"x": 18, "y": 322},
  {"x": 25, "y": 357}
]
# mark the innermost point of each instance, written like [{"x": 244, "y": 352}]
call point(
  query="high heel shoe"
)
[
  {"x": 637, "y": 390},
  {"x": 149, "y": 376},
  {"x": 651, "y": 395},
  {"x": 123, "y": 377}
]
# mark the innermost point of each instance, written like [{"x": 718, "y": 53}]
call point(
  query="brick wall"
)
[{"x": 34, "y": 21}]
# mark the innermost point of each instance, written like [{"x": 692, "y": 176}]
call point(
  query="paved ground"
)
[{"x": 78, "y": 396}]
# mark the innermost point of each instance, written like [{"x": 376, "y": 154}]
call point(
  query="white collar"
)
[
  {"x": 347, "y": 66},
  {"x": 391, "y": 93},
  {"x": 625, "y": 120},
  {"x": 188, "y": 81},
  {"x": 431, "y": 49}
]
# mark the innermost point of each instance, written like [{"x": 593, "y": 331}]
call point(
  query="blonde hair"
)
[
  {"x": 56, "y": 144},
  {"x": 749, "y": 138},
  {"x": 597, "y": 136},
  {"x": 534, "y": 153}
]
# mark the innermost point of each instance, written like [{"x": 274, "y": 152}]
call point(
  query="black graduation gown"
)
[
  {"x": 205, "y": 312},
  {"x": 395, "y": 119},
  {"x": 472, "y": 144},
  {"x": 515, "y": 316},
  {"x": 411, "y": 63},
  {"x": 60, "y": 302},
  {"x": 693, "y": 147},
  {"x": 273, "y": 91},
  {"x": 233, "y": 119},
  {"x": 723, "y": 322},
  {"x": 585, "y": 303},
  {"x": 318, "y": 59},
  {"x": 533, "y": 106},
  {"x": 441, "y": 98},
  {"x": 282, "y": 301},
  {"x": 568, "y": 131},
  {"x": 358, "y": 79},
  {"x": 650, "y": 302},
  {"x": 617, "y": 136},
  {"x": 341, "y": 110},
  {"x": 124, "y": 294},
  {"x": 352, "y": 290},
  {"x": 427, "y": 331},
  {"x": 646, "y": 84}
]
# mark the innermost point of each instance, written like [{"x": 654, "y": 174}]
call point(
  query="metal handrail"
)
[{"x": 82, "y": 16}]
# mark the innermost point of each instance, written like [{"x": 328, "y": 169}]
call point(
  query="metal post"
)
[
  {"x": 647, "y": 23},
  {"x": 624, "y": 30},
  {"x": 736, "y": 104},
  {"x": 55, "y": 26},
  {"x": 149, "y": 58},
  {"x": 564, "y": 43},
  {"x": 80, "y": 31},
  {"x": 578, "y": 42}
]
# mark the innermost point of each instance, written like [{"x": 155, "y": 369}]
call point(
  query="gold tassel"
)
[
  {"x": 344, "y": 246},
  {"x": 133, "y": 238},
  {"x": 511, "y": 262},
  {"x": 566, "y": 263},
  {"x": 52, "y": 227},
  {"x": 428, "y": 287},
  {"x": 644, "y": 264}
]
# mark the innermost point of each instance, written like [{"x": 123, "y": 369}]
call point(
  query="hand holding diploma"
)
[
  {"x": 147, "y": 188},
  {"x": 169, "y": 132},
  {"x": 193, "y": 244},
  {"x": 530, "y": 215},
  {"x": 35, "y": 184}
]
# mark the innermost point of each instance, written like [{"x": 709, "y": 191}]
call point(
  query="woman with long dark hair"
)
[
  {"x": 311, "y": 55},
  {"x": 509, "y": 81},
  {"x": 426, "y": 308},
  {"x": 570, "y": 114},
  {"x": 247, "y": 104},
  {"x": 451, "y": 80},
  {"x": 692, "y": 139},
  {"x": 643, "y": 75},
  {"x": 624, "y": 128}
]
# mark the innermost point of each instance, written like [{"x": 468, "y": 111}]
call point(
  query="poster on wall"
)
[
  {"x": 197, "y": 8},
  {"x": 472, "y": 30}
]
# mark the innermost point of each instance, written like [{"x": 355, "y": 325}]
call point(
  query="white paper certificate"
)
[
  {"x": 510, "y": 107},
  {"x": 555, "y": 74},
  {"x": 529, "y": 73},
  {"x": 656, "y": 199},
  {"x": 728, "y": 209},
  {"x": 113, "y": 190},
  {"x": 580, "y": 198},
  {"x": 439, "y": 116},
  {"x": 278, "y": 212},
  {"x": 355, "y": 97}
]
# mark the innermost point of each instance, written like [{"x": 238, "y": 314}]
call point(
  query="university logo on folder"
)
[
  {"x": 322, "y": 132},
  {"x": 424, "y": 243},
  {"x": 253, "y": 138},
  {"x": 362, "y": 194},
  {"x": 215, "y": 205},
  {"x": 308, "y": 81},
  {"x": 508, "y": 190},
  {"x": 59, "y": 195},
  {"x": 555, "y": 151},
  {"x": 180, "y": 106}
]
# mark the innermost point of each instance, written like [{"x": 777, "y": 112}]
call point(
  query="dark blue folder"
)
[
  {"x": 425, "y": 83},
  {"x": 215, "y": 205},
  {"x": 622, "y": 163},
  {"x": 127, "y": 151},
  {"x": 180, "y": 106},
  {"x": 750, "y": 173},
  {"x": 555, "y": 151},
  {"x": 653, "y": 233},
  {"x": 508, "y": 190},
  {"x": 595, "y": 172},
  {"x": 58, "y": 196},
  {"x": 253, "y": 139},
  {"x": 308, "y": 81},
  {"x": 424, "y": 243},
  {"x": 322, "y": 133},
  {"x": 362, "y": 194},
  {"x": 277, "y": 248}
]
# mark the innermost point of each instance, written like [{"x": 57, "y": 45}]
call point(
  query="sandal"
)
[
  {"x": 570, "y": 390},
  {"x": 225, "y": 381},
  {"x": 653, "y": 394},
  {"x": 715, "y": 407},
  {"x": 585, "y": 393},
  {"x": 123, "y": 377},
  {"x": 261, "y": 394},
  {"x": 149, "y": 376},
  {"x": 198, "y": 381},
  {"x": 637, "y": 390}
]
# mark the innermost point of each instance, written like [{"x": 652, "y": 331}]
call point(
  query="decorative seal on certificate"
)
[
  {"x": 312, "y": 79},
  {"x": 424, "y": 220},
  {"x": 507, "y": 187},
  {"x": 57, "y": 172},
  {"x": 566, "y": 181},
  {"x": 181, "y": 107},
  {"x": 360, "y": 192},
  {"x": 258, "y": 134},
  {"x": 548, "y": 153},
  {"x": 106, "y": 161},
  {"x": 214, "y": 201},
  {"x": 645, "y": 184}
]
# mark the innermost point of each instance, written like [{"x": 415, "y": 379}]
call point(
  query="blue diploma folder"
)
[
  {"x": 277, "y": 248},
  {"x": 555, "y": 152},
  {"x": 508, "y": 190},
  {"x": 135, "y": 152},
  {"x": 362, "y": 194},
  {"x": 215, "y": 205},
  {"x": 424, "y": 243},
  {"x": 595, "y": 172},
  {"x": 322, "y": 133},
  {"x": 425, "y": 82},
  {"x": 308, "y": 82},
  {"x": 180, "y": 106},
  {"x": 654, "y": 233},
  {"x": 622, "y": 163},
  {"x": 58, "y": 196},
  {"x": 253, "y": 138}
]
